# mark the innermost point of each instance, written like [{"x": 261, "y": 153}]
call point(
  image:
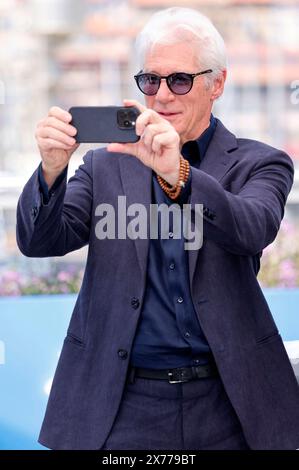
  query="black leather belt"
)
[{"x": 175, "y": 376}]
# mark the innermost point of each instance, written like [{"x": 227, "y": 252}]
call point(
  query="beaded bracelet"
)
[{"x": 174, "y": 191}]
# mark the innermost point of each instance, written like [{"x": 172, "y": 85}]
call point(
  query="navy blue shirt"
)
[{"x": 169, "y": 334}]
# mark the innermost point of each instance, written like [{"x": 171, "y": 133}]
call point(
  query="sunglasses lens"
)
[
  {"x": 180, "y": 83},
  {"x": 148, "y": 83}
]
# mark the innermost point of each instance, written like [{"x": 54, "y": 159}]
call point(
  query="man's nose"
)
[{"x": 164, "y": 94}]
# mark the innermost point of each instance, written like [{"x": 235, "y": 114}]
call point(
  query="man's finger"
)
[
  {"x": 148, "y": 117},
  {"x": 128, "y": 102},
  {"x": 151, "y": 131},
  {"x": 60, "y": 113},
  {"x": 129, "y": 149}
]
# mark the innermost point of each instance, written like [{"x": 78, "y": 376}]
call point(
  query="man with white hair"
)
[{"x": 167, "y": 348}]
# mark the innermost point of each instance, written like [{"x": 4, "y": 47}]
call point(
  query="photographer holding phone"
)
[{"x": 167, "y": 348}]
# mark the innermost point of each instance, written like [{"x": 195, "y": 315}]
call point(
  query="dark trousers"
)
[{"x": 155, "y": 414}]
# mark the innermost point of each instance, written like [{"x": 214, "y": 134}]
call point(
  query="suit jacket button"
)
[
  {"x": 122, "y": 353},
  {"x": 135, "y": 302},
  {"x": 34, "y": 211}
]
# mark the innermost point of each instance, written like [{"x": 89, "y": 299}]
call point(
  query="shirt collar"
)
[{"x": 194, "y": 150}]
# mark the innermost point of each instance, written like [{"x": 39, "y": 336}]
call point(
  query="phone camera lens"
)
[{"x": 126, "y": 123}]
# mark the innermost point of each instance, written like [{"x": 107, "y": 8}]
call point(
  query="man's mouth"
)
[{"x": 167, "y": 115}]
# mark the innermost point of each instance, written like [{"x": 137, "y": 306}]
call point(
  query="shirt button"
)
[
  {"x": 187, "y": 334},
  {"x": 180, "y": 300},
  {"x": 135, "y": 302},
  {"x": 122, "y": 353},
  {"x": 170, "y": 234},
  {"x": 171, "y": 266}
]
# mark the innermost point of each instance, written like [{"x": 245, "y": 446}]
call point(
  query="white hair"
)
[{"x": 175, "y": 25}]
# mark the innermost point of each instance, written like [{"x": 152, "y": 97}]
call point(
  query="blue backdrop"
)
[{"x": 32, "y": 329}]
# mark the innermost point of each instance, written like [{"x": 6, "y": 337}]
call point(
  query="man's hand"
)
[
  {"x": 159, "y": 144},
  {"x": 56, "y": 143}
]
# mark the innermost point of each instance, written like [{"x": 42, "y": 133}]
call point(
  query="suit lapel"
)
[
  {"x": 137, "y": 185},
  {"x": 219, "y": 157},
  {"x": 218, "y": 160}
]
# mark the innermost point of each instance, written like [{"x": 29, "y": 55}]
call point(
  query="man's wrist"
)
[
  {"x": 174, "y": 191},
  {"x": 50, "y": 175},
  {"x": 172, "y": 178}
]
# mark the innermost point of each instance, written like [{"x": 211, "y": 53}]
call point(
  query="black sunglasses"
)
[{"x": 179, "y": 83}]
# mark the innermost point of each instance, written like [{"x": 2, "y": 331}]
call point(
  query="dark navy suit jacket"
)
[{"x": 243, "y": 185}]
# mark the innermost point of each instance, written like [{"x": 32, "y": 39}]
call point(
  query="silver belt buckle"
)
[{"x": 178, "y": 378}]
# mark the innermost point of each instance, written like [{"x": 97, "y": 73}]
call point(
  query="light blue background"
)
[{"x": 32, "y": 329}]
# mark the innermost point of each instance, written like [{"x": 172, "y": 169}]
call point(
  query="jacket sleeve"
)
[
  {"x": 46, "y": 193},
  {"x": 63, "y": 223},
  {"x": 246, "y": 222}
]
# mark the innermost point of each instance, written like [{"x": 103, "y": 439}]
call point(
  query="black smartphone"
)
[{"x": 97, "y": 124}]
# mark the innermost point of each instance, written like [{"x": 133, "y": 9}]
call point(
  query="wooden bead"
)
[{"x": 174, "y": 191}]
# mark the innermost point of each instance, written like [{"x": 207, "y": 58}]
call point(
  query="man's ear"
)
[{"x": 218, "y": 85}]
